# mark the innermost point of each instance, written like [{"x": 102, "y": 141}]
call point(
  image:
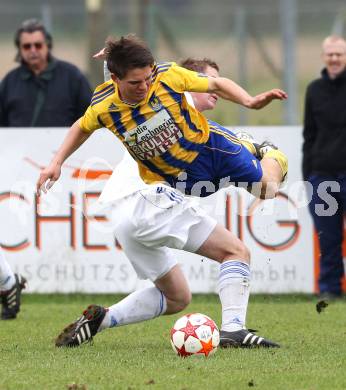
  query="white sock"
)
[
  {"x": 139, "y": 306},
  {"x": 234, "y": 291},
  {"x": 7, "y": 279}
]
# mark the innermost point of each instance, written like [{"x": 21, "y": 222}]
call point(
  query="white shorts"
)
[{"x": 151, "y": 221}]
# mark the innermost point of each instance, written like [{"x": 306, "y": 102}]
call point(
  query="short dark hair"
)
[
  {"x": 198, "y": 65},
  {"x": 30, "y": 26},
  {"x": 128, "y": 52}
]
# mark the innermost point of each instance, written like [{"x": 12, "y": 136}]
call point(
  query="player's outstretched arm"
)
[
  {"x": 100, "y": 55},
  {"x": 49, "y": 175},
  {"x": 265, "y": 98},
  {"x": 229, "y": 90}
]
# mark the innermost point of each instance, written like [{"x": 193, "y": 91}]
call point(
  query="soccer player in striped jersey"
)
[
  {"x": 145, "y": 107},
  {"x": 148, "y": 221}
]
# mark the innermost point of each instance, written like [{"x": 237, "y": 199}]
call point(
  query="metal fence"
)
[{"x": 257, "y": 43}]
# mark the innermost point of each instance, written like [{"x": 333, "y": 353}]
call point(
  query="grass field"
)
[{"x": 312, "y": 357}]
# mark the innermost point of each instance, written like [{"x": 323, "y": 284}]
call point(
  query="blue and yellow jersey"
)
[{"x": 163, "y": 133}]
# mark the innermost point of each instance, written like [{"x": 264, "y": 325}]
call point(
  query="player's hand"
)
[
  {"x": 47, "y": 178},
  {"x": 263, "y": 99},
  {"x": 101, "y": 55}
]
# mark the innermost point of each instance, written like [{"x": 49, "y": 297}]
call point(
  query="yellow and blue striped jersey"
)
[{"x": 163, "y": 133}]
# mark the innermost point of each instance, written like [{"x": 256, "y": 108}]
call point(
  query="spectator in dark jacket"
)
[
  {"x": 42, "y": 91},
  {"x": 324, "y": 162}
]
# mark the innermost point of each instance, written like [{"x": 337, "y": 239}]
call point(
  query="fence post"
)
[
  {"x": 96, "y": 32},
  {"x": 241, "y": 38},
  {"x": 288, "y": 18}
]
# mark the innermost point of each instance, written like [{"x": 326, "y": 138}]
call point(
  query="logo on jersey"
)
[
  {"x": 113, "y": 107},
  {"x": 155, "y": 104},
  {"x": 154, "y": 136}
]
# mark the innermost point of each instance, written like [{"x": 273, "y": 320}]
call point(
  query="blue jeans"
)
[{"x": 328, "y": 218}]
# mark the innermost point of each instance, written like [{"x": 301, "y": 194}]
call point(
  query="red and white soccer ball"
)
[{"x": 195, "y": 334}]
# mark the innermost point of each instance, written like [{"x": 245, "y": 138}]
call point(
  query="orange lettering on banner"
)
[
  {"x": 87, "y": 219},
  {"x": 39, "y": 219},
  {"x": 228, "y": 215},
  {"x": 24, "y": 243},
  {"x": 292, "y": 224},
  {"x": 91, "y": 174},
  {"x": 228, "y": 212},
  {"x": 291, "y": 240},
  {"x": 239, "y": 217}
]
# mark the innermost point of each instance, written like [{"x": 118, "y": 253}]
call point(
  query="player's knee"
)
[
  {"x": 185, "y": 300},
  {"x": 182, "y": 301},
  {"x": 244, "y": 254},
  {"x": 239, "y": 251},
  {"x": 269, "y": 190}
]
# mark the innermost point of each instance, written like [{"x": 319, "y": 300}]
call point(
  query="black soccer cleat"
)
[
  {"x": 263, "y": 148},
  {"x": 10, "y": 299},
  {"x": 245, "y": 136},
  {"x": 244, "y": 339},
  {"x": 84, "y": 329}
]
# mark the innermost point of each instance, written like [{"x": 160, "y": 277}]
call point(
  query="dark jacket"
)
[
  {"x": 56, "y": 97},
  {"x": 324, "y": 147}
]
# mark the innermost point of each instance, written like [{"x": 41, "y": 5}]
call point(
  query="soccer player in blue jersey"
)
[
  {"x": 145, "y": 107},
  {"x": 207, "y": 101}
]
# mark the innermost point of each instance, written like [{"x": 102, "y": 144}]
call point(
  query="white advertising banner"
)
[{"x": 62, "y": 243}]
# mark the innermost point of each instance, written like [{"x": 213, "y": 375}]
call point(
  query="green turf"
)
[{"x": 312, "y": 357}]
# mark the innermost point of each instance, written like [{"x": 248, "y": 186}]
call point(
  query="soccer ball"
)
[{"x": 195, "y": 334}]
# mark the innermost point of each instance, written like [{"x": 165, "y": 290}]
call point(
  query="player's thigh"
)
[
  {"x": 149, "y": 262},
  {"x": 203, "y": 235},
  {"x": 184, "y": 225},
  {"x": 223, "y": 245}
]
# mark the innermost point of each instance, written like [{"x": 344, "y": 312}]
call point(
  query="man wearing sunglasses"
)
[{"x": 43, "y": 91}]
